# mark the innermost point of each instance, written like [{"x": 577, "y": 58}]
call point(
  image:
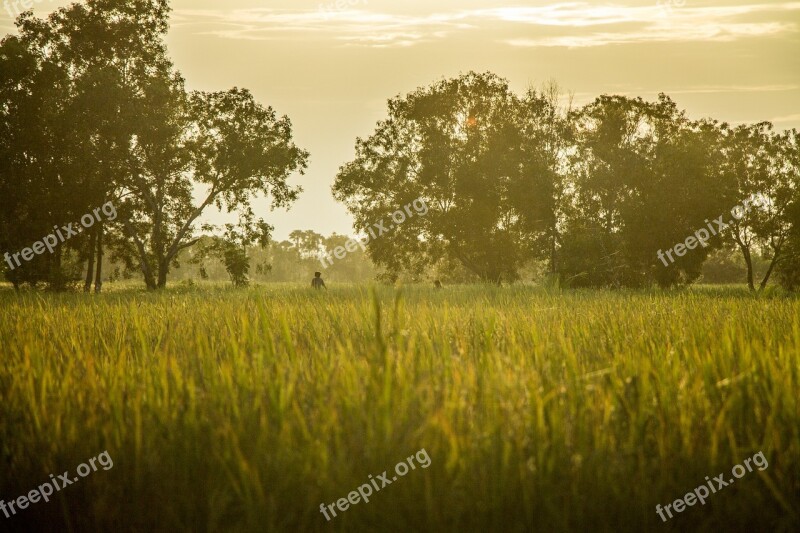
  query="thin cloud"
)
[
  {"x": 357, "y": 27},
  {"x": 571, "y": 25},
  {"x": 585, "y": 15},
  {"x": 712, "y": 89},
  {"x": 707, "y": 32}
]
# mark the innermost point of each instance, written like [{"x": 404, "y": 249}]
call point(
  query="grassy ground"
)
[{"x": 244, "y": 410}]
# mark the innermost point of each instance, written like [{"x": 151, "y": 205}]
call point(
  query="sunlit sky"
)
[{"x": 331, "y": 69}]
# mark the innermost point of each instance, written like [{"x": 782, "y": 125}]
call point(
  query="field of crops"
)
[{"x": 244, "y": 410}]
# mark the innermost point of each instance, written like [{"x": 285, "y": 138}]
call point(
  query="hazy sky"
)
[{"x": 332, "y": 69}]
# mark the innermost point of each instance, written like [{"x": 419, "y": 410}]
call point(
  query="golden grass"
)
[{"x": 243, "y": 410}]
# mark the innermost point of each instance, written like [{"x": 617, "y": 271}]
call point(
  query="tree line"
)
[
  {"x": 93, "y": 111},
  {"x": 595, "y": 192},
  {"x": 289, "y": 261}
]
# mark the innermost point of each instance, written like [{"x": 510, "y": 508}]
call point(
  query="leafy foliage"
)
[{"x": 598, "y": 192}]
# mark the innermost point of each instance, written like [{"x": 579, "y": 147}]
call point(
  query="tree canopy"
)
[
  {"x": 93, "y": 111},
  {"x": 597, "y": 192}
]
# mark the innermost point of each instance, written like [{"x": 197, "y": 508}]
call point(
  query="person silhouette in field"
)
[{"x": 317, "y": 282}]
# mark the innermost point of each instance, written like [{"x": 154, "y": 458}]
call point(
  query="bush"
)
[{"x": 237, "y": 264}]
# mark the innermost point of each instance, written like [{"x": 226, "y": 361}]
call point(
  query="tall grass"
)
[{"x": 244, "y": 410}]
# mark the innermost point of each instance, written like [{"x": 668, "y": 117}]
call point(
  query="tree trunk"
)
[
  {"x": 162, "y": 273},
  {"x": 144, "y": 264},
  {"x": 749, "y": 262},
  {"x": 90, "y": 269},
  {"x": 772, "y": 264},
  {"x": 98, "y": 280},
  {"x": 56, "y": 280}
]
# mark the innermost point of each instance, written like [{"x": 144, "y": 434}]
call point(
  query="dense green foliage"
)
[
  {"x": 93, "y": 111},
  {"x": 598, "y": 191},
  {"x": 243, "y": 410}
]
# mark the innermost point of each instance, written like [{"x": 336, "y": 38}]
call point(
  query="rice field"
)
[{"x": 246, "y": 409}]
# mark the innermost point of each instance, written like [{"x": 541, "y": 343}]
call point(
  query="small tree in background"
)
[{"x": 237, "y": 264}]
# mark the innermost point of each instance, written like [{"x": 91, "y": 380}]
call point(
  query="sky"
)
[{"x": 331, "y": 66}]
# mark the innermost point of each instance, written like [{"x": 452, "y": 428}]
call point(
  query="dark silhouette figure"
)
[
  {"x": 317, "y": 282},
  {"x": 437, "y": 284}
]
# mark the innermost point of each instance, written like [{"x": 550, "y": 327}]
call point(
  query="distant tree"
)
[
  {"x": 455, "y": 145},
  {"x": 788, "y": 264},
  {"x": 296, "y": 259},
  {"x": 355, "y": 266},
  {"x": 643, "y": 179},
  {"x": 684, "y": 188},
  {"x": 767, "y": 165},
  {"x": 538, "y": 193},
  {"x": 232, "y": 255},
  {"x": 307, "y": 243},
  {"x": 237, "y": 264},
  {"x": 788, "y": 267},
  {"x": 724, "y": 265},
  {"x": 231, "y": 249}
]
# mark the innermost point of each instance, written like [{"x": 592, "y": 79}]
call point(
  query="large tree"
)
[
  {"x": 94, "y": 111},
  {"x": 456, "y": 145},
  {"x": 643, "y": 179},
  {"x": 70, "y": 85},
  {"x": 538, "y": 192},
  {"x": 38, "y": 158},
  {"x": 767, "y": 165},
  {"x": 225, "y": 143}
]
